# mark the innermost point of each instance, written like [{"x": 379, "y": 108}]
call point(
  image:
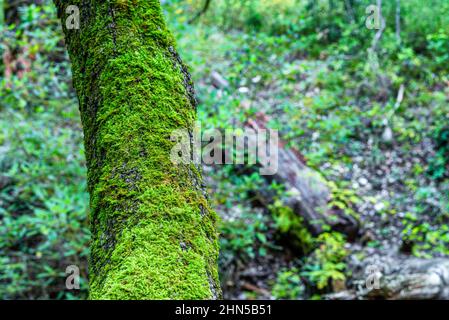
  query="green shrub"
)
[
  {"x": 326, "y": 263},
  {"x": 288, "y": 285},
  {"x": 43, "y": 198}
]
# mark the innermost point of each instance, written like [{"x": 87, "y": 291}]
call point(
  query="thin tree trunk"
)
[
  {"x": 398, "y": 21},
  {"x": 153, "y": 233},
  {"x": 380, "y": 31}
]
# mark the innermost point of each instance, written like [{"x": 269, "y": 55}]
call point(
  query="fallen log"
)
[
  {"x": 398, "y": 277},
  {"x": 379, "y": 276},
  {"x": 308, "y": 193}
]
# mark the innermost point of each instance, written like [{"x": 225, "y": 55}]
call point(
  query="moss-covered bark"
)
[{"x": 153, "y": 233}]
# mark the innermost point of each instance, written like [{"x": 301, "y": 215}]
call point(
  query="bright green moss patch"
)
[
  {"x": 160, "y": 259},
  {"x": 153, "y": 234}
]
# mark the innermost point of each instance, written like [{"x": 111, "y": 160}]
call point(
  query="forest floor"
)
[{"x": 369, "y": 124}]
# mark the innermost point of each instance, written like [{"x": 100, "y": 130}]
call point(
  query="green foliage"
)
[
  {"x": 288, "y": 285},
  {"x": 43, "y": 198},
  {"x": 253, "y": 15},
  {"x": 305, "y": 64},
  {"x": 332, "y": 101},
  {"x": 344, "y": 199},
  {"x": 326, "y": 263},
  {"x": 438, "y": 46},
  {"x": 292, "y": 224},
  {"x": 43, "y": 209},
  {"x": 245, "y": 236},
  {"x": 426, "y": 227},
  {"x": 439, "y": 165}
]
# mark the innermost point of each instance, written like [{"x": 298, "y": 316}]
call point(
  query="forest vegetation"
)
[{"x": 365, "y": 109}]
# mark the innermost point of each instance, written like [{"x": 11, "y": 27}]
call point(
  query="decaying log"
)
[
  {"x": 398, "y": 277},
  {"x": 308, "y": 193}
]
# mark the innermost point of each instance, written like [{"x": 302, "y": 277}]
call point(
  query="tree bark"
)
[{"x": 153, "y": 233}]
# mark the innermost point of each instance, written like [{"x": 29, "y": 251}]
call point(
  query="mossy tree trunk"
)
[{"x": 153, "y": 233}]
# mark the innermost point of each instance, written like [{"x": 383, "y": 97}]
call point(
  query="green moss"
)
[
  {"x": 154, "y": 235},
  {"x": 158, "y": 259}
]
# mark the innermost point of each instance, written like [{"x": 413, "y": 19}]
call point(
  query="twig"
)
[
  {"x": 398, "y": 20},
  {"x": 253, "y": 288},
  {"x": 400, "y": 97}
]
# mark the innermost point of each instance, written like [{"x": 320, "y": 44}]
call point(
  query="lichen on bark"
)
[{"x": 153, "y": 233}]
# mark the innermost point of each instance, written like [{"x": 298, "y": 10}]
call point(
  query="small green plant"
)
[
  {"x": 326, "y": 262},
  {"x": 439, "y": 164},
  {"x": 426, "y": 224},
  {"x": 287, "y": 222},
  {"x": 246, "y": 235},
  {"x": 344, "y": 199},
  {"x": 288, "y": 285},
  {"x": 438, "y": 46},
  {"x": 426, "y": 238}
]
